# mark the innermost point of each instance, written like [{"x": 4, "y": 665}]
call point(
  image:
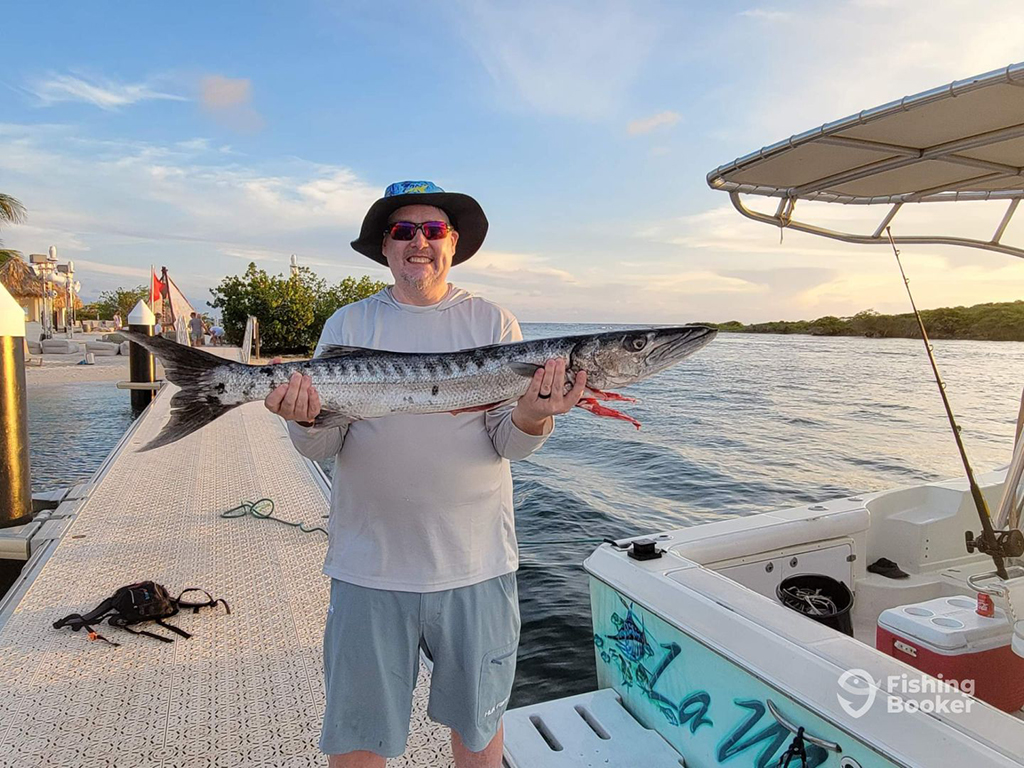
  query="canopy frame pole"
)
[
  {"x": 1011, "y": 209},
  {"x": 849, "y": 237},
  {"x": 888, "y": 219}
]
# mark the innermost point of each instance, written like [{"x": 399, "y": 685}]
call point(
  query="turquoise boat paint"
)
[{"x": 711, "y": 711}]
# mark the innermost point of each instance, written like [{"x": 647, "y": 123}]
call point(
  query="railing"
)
[
  {"x": 181, "y": 331},
  {"x": 250, "y": 339}
]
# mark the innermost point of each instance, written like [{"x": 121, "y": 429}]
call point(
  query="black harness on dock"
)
[{"x": 134, "y": 604}]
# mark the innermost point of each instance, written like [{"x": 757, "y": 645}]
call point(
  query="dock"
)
[{"x": 247, "y": 688}]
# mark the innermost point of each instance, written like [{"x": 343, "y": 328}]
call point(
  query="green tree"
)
[
  {"x": 120, "y": 300},
  {"x": 11, "y": 212},
  {"x": 88, "y": 312},
  {"x": 291, "y": 310},
  {"x": 829, "y": 325}
]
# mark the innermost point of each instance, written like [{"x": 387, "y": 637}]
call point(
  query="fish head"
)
[{"x": 618, "y": 358}]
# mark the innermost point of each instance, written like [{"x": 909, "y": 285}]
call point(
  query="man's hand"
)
[
  {"x": 295, "y": 401},
  {"x": 547, "y": 397}
]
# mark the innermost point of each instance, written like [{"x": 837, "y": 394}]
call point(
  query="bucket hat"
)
[{"x": 465, "y": 214}]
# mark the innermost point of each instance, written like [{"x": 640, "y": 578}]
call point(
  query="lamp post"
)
[
  {"x": 68, "y": 270},
  {"x": 51, "y": 293}
]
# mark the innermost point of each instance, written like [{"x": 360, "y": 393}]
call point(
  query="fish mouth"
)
[{"x": 672, "y": 344}]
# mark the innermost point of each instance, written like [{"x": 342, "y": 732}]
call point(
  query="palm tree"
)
[{"x": 11, "y": 212}]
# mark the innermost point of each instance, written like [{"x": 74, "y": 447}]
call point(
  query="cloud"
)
[
  {"x": 525, "y": 267},
  {"x": 120, "y": 270},
  {"x": 648, "y": 124},
  {"x": 262, "y": 257},
  {"x": 808, "y": 276},
  {"x": 767, "y": 14},
  {"x": 229, "y": 101},
  {"x": 849, "y": 43},
  {"x": 184, "y": 204},
  {"x": 220, "y": 92},
  {"x": 101, "y": 92},
  {"x": 571, "y": 59}
]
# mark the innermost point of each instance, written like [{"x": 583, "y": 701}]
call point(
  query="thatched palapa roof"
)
[
  {"x": 60, "y": 299},
  {"x": 20, "y": 280}
]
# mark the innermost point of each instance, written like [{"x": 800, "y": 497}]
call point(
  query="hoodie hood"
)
[{"x": 453, "y": 297}]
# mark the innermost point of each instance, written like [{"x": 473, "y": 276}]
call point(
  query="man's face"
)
[{"x": 420, "y": 263}]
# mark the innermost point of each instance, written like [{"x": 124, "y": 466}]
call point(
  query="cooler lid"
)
[{"x": 946, "y": 623}]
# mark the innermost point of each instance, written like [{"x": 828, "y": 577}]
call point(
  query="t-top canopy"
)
[{"x": 963, "y": 141}]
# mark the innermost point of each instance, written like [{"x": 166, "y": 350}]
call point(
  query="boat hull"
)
[{"x": 712, "y": 711}]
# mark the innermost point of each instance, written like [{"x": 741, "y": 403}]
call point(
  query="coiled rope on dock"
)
[{"x": 264, "y": 510}]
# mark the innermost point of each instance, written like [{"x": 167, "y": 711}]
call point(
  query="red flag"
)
[{"x": 157, "y": 288}]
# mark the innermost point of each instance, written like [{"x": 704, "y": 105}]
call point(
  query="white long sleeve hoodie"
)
[{"x": 421, "y": 503}]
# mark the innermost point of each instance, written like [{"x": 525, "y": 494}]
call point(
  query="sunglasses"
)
[{"x": 406, "y": 230}]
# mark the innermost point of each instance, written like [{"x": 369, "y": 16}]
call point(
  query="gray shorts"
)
[{"x": 371, "y": 660}]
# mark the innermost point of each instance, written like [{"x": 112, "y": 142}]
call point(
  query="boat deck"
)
[{"x": 247, "y": 688}]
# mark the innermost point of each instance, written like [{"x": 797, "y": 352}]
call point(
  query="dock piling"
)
[
  {"x": 142, "y": 366},
  {"x": 15, "y": 478}
]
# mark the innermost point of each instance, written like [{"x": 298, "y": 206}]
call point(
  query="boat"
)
[{"x": 702, "y": 660}]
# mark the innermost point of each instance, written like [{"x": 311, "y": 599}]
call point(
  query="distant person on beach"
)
[
  {"x": 422, "y": 550},
  {"x": 117, "y": 321},
  {"x": 196, "y": 329}
]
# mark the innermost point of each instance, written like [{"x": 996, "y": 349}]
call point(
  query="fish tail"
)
[{"x": 197, "y": 402}]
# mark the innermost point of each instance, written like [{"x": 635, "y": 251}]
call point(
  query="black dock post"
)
[
  {"x": 141, "y": 364},
  {"x": 15, "y": 482}
]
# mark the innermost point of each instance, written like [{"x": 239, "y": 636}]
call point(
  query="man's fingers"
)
[
  {"x": 302, "y": 398},
  {"x": 577, "y": 391},
  {"x": 288, "y": 404},
  {"x": 535, "y": 382},
  {"x": 546, "y": 386},
  {"x": 314, "y": 404},
  {"x": 273, "y": 400},
  {"x": 277, "y": 361}
]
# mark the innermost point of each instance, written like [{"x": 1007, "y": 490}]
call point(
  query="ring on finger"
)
[{"x": 542, "y": 396}]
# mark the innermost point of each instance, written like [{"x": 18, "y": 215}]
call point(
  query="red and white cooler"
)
[{"x": 947, "y": 637}]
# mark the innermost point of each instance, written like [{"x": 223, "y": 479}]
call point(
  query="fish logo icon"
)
[{"x": 862, "y": 686}]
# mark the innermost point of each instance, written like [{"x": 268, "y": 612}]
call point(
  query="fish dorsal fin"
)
[{"x": 340, "y": 350}]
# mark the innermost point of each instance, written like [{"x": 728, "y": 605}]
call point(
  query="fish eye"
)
[{"x": 635, "y": 343}]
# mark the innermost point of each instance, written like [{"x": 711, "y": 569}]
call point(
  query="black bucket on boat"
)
[{"x": 818, "y": 597}]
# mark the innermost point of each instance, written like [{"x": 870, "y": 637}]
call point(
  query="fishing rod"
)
[{"x": 999, "y": 544}]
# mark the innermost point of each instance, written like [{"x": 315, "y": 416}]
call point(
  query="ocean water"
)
[
  {"x": 71, "y": 429},
  {"x": 750, "y": 423}
]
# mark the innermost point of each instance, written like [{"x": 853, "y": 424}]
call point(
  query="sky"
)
[{"x": 203, "y": 136}]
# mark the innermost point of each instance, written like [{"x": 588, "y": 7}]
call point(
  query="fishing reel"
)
[{"x": 1003, "y": 544}]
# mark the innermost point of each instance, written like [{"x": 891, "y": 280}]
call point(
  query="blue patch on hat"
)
[{"x": 411, "y": 188}]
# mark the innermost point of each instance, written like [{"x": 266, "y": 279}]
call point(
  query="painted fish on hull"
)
[{"x": 357, "y": 383}]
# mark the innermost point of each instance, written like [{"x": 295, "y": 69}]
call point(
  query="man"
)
[
  {"x": 422, "y": 548},
  {"x": 196, "y": 329},
  {"x": 216, "y": 335}
]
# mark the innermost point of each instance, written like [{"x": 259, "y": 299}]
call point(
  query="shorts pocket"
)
[{"x": 497, "y": 673}]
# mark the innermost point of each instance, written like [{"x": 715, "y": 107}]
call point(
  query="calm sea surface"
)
[{"x": 749, "y": 424}]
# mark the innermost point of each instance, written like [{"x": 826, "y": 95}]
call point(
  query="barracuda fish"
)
[{"x": 356, "y": 383}]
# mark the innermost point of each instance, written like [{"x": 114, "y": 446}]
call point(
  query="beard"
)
[{"x": 421, "y": 283}]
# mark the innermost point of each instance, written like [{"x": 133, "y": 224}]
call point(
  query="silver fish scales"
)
[{"x": 358, "y": 383}]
